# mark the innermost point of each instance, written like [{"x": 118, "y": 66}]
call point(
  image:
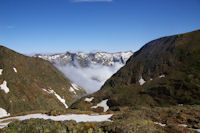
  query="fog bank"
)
[{"x": 90, "y": 78}]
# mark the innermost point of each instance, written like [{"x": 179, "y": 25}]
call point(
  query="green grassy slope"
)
[{"x": 26, "y": 86}]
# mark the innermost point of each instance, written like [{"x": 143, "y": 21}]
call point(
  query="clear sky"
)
[{"x": 35, "y": 26}]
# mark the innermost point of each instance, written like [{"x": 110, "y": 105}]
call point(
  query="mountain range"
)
[{"x": 87, "y": 59}]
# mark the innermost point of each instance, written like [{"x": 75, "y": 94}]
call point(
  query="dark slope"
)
[
  {"x": 171, "y": 68},
  {"x": 26, "y": 85}
]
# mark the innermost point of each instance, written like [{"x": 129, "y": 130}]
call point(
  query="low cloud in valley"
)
[{"x": 90, "y": 78}]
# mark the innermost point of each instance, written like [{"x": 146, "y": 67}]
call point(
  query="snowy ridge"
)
[{"x": 85, "y": 59}]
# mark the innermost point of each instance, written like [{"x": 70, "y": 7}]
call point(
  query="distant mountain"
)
[
  {"x": 33, "y": 84},
  {"x": 88, "y": 70},
  {"x": 87, "y": 59},
  {"x": 163, "y": 72}
]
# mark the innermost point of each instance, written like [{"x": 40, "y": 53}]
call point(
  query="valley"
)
[
  {"x": 88, "y": 70},
  {"x": 99, "y": 66},
  {"x": 157, "y": 90}
]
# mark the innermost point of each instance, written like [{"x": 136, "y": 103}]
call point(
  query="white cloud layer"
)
[
  {"x": 92, "y": 0},
  {"x": 91, "y": 78}
]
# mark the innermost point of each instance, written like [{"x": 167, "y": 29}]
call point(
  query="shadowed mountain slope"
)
[{"x": 163, "y": 72}]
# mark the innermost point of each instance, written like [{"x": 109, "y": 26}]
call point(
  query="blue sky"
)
[{"x": 48, "y": 26}]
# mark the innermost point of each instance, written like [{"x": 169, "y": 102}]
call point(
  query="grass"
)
[
  {"x": 26, "y": 86},
  {"x": 129, "y": 119}
]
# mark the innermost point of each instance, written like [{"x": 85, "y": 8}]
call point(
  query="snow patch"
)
[
  {"x": 75, "y": 86},
  {"x": 182, "y": 125},
  {"x": 75, "y": 117},
  {"x": 3, "y": 113},
  {"x": 141, "y": 81},
  {"x": 163, "y": 125},
  {"x": 15, "y": 70},
  {"x": 89, "y": 99},
  {"x": 162, "y": 76},
  {"x": 194, "y": 129},
  {"x": 1, "y": 70},
  {"x": 72, "y": 90},
  {"x": 180, "y": 105},
  {"x": 4, "y": 87},
  {"x": 50, "y": 91},
  {"x": 102, "y": 104}
]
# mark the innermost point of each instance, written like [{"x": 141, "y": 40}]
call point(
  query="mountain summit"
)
[
  {"x": 163, "y": 72},
  {"x": 32, "y": 84},
  {"x": 87, "y": 59}
]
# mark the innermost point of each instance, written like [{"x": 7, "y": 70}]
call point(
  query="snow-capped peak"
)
[{"x": 85, "y": 59}]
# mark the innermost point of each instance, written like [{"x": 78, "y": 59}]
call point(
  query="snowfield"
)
[
  {"x": 4, "y": 87},
  {"x": 75, "y": 117},
  {"x": 102, "y": 104}
]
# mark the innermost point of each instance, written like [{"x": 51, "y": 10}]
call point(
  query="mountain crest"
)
[
  {"x": 163, "y": 72},
  {"x": 86, "y": 59}
]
